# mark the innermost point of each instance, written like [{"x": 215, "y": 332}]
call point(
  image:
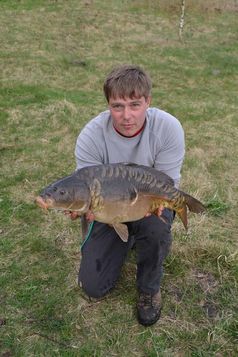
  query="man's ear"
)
[{"x": 148, "y": 101}]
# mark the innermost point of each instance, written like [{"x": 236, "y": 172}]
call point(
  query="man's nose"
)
[{"x": 127, "y": 113}]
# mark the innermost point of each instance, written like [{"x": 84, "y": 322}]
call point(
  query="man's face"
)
[{"x": 128, "y": 115}]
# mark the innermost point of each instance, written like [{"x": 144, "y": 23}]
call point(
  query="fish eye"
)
[{"x": 62, "y": 192}]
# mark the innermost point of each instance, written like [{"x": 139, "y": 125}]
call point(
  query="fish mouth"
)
[
  {"x": 44, "y": 203},
  {"x": 49, "y": 202}
]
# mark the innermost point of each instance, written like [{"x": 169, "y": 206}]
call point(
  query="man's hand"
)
[
  {"x": 158, "y": 212},
  {"x": 74, "y": 215},
  {"x": 89, "y": 216}
]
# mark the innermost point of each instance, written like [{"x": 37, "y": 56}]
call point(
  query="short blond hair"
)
[{"x": 127, "y": 81}]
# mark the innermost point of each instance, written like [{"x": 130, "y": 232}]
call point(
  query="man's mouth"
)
[{"x": 128, "y": 126}]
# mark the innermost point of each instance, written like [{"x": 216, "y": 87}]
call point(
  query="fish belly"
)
[{"x": 115, "y": 212}]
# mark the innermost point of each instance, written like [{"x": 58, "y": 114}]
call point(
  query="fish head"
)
[{"x": 68, "y": 193}]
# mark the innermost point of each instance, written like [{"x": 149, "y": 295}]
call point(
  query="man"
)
[{"x": 130, "y": 131}]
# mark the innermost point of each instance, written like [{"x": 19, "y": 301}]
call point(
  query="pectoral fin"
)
[{"x": 122, "y": 231}]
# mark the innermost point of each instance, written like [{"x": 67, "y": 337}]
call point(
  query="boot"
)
[{"x": 148, "y": 308}]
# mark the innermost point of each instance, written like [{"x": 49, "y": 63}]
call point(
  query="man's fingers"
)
[
  {"x": 90, "y": 216},
  {"x": 157, "y": 212},
  {"x": 148, "y": 214},
  {"x": 160, "y": 210},
  {"x": 72, "y": 214}
]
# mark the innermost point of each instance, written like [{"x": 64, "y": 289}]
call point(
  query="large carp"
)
[{"x": 117, "y": 193}]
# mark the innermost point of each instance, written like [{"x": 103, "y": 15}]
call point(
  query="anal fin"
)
[{"x": 183, "y": 215}]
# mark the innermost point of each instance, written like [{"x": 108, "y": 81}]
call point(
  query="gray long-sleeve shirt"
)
[{"x": 159, "y": 145}]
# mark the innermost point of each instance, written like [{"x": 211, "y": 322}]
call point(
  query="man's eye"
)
[{"x": 117, "y": 107}]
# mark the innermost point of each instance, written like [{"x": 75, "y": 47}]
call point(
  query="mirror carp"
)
[{"x": 118, "y": 193}]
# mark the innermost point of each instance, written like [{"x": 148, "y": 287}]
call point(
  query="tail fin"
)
[{"x": 193, "y": 204}]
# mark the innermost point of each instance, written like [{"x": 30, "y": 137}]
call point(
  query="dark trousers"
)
[{"x": 104, "y": 253}]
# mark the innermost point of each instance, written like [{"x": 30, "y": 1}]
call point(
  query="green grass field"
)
[{"x": 54, "y": 56}]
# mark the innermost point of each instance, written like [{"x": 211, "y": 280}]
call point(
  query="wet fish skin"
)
[{"x": 118, "y": 193}]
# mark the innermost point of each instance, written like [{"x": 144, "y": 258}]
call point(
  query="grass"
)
[{"x": 54, "y": 56}]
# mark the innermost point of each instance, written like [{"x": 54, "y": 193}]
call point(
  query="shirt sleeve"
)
[
  {"x": 170, "y": 154},
  {"x": 87, "y": 152}
]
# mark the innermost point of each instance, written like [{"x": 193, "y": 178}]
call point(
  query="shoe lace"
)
[{"x": 146, "y": 300}]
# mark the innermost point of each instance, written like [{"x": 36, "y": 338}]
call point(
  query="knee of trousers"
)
[
  {"x": 156, "y": 230},
  {"x": 94, "y": 288}
]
